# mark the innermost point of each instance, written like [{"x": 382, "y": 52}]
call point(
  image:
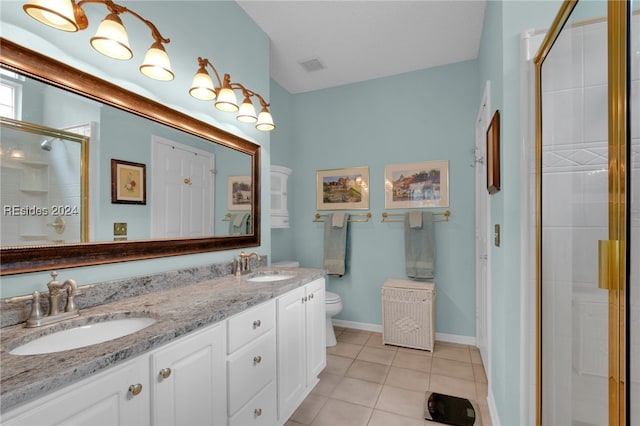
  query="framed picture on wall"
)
[
  {"x": 342, "y": 189},
  {"x": 493, "y": 154},
  {"x": 128, "y": 182},
  {"x": 416, "y": 185},
  {"x": 239, "y": 193}
]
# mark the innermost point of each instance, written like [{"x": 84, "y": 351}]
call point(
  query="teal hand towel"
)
[
  {"x": 335, "y": 245},
  {"x": 419, "y": 248},
  {"x": 239, "y": 224}
]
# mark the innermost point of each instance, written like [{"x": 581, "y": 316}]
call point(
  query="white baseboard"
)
[
  {"x": 493, "y": 409},
  {"x": 442, "y": 337}
]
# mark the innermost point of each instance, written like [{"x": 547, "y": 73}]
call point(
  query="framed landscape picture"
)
[
  {"x": 342, "y": 189},
  {"x": 416, "y": 185},
  {"x": 239, "y": 193}
]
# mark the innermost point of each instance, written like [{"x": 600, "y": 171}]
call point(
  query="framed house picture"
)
[
  {"x": 128, "y": 182},
  {"x": 239, "y": 193},
  {"x": 342, "y": 189},
  {"x": 416, "y": 185},
  {"x": 493, "y": 154}
]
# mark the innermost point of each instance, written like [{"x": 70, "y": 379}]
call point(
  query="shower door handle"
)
[{"x": 608, "y": 263}]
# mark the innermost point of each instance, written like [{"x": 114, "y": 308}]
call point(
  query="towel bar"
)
[
  {"x": 320, "y": 217},
  {"x": 385, "y": 216}
]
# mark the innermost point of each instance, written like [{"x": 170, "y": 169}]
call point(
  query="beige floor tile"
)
[
  {"x": 452, "y": 368},
  {"x": 476, "y": 358},
  {"x": 292, "y": 423},
  {"x": 401, "y": 401},
  {"x": 452, "y": 351},
  {"x": 479, "y": 374},
  {"x": 408, "y": 379},
  {"x": 347, "y": 350},
  {"x": 341, "y": 413},
  {"x": 337, "y": 365},
  {"x": 308, "y": 409},
  {"x": 453, "y": 386},
  {"x": 357, "y": 391},
  {"x": 327, "y": 384},
  {"x": 418, "y": 352},
  {"x": 485, "y": 415},
  {"x": 381, "y": 356},
  {"x": 369, "y": 371},
  {"x": 482, "y": 391},
  {"x": 375, "y": 341},
  {"x": 412, "y": 360},
  {"x": 382, "y": 418},
  {"x": 353, "y": 336}
]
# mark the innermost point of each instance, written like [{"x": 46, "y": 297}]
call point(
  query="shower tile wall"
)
[{"x": 575, "y": 217}]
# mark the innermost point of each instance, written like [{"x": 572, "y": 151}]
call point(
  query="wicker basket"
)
[{"x": 408, "y": 314}]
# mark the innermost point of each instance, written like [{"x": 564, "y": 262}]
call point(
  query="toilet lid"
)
[{"x": 330, "y": 297}]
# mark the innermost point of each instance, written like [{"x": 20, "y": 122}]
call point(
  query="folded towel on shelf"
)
[
  {"x": 335, "y": 244},
  {"x": 419, "y": 248},
  {"x": 415, "y": 219},
  {"x": 239, "y": 223}
]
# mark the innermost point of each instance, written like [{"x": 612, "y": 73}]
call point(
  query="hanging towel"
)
[
  {"x": 335, "y": 244},
  {"x": 415, "y": 219},
  {"x": 239, "y": 224},
  {"x": 419, "y": 247}
]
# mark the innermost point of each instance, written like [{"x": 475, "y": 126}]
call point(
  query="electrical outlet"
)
[{"x": 120, "y": 228}]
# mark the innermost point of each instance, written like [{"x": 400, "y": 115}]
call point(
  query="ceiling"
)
[{"x": 364, "y": 39}]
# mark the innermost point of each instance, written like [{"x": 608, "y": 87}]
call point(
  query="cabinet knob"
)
[
  {"x": 257, "y": 323},
  {"x": 258, "y": 412},
  {"x": 304, "y": 299},
  {"x": 165, "y": 373},
  {"x": 311, "y": 296},
  {"x": 135, "y": 389},
  {"x": 187, "y": 181},
  {"x": 257, "y": 359}
]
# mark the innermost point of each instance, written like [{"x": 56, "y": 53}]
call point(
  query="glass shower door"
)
[{"x": 582, "y": 212}]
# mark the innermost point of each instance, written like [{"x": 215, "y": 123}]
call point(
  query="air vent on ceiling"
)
[{"x": 312, "y": 64}]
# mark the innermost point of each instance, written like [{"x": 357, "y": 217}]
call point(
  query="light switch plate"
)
[{"x": 120, "y": 228}]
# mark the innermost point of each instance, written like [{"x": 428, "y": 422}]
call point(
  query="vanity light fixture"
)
[
  {"x": 111, "y": 37},
  {"x": 203, "y": 88}
]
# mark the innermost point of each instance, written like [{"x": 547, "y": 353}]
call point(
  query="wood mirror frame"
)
[{"x": 21, "y": 259}]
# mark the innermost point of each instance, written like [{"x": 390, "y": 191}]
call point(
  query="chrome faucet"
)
[
  {"x": 36, "y": 319},
  {"x": 241, "y": 262}
]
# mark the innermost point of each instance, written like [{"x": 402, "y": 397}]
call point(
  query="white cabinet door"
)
[
  {"x": 102, "y": 399},
  {"x": 279, "y": 197},
  {"x": 316, "y": 332},
  {"x": 189, "y": 380},
  {"x": 291, "y": 351}
]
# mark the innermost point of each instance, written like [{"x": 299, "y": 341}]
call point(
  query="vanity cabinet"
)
[
  {"x": 279, "y": 201},
  {"x": 301, "y": 344},
  {"x": 118, "y": 396},
  {"x": 188, "y": 380}
]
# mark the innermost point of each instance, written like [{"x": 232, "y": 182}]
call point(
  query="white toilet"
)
[{"x": 332, "y": 302}]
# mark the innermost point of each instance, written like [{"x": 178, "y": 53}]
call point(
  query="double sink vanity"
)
[{"x": 234, "y": 350}]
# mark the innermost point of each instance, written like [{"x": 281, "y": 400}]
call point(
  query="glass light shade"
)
[
  {"x": 247, "y": 112},
  {"x": 17, "y": 154},
  {"x": 54, "y": 13},
  {"x": 202, "y": 86},
  {"x": 156, "y": 63},
  {"x": 227, "y": 100},
  {"x": 265, "y": 121},
  {"x": 111, "y": 39}
]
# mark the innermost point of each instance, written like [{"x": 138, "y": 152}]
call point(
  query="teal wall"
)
[
  {"x": 235, "y": 44},
  {"x": 500, "y": 63},
  {"x": 425, "y": 115}
]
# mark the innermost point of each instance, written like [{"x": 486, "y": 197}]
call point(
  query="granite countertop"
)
[{"x": 178, "y": 311}]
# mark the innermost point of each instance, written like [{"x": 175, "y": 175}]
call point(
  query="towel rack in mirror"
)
[
  {"x": 367, "y": 216},
  {"x": 386, "y": 216}
]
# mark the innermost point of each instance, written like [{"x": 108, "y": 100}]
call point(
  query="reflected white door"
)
[{"x": 182, "y": 188}]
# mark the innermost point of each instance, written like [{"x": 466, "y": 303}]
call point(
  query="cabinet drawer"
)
[
  {"x": 250, "y": 369},
  {"x": 250, "y": 324},
  {"x": 261, "y": 410}
]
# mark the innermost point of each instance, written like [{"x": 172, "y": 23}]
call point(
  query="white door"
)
[
  {"x": 183, "y": 182},
  {"x": 482, "y": 231}
]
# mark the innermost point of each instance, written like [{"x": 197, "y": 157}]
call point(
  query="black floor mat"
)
[{"x": 451, "y": 410}]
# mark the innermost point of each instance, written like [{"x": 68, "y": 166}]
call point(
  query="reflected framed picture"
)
[
  {"x": 342, "y": 189},
  {"x": 493, "y": 154},
  {"x": 128, "y": 182},
  {"x": 239, "y": 193},
  {"x": 416, "y": 185}
]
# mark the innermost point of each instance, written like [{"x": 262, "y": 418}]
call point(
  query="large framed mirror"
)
[{"x": 128, "y": 177}]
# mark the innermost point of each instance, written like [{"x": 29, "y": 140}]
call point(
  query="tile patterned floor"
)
[{"x": 367, "y": 383}]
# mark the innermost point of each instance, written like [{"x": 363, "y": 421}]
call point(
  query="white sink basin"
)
[
  {"x": 83, "y": 335},
  {"x": 268, "y": 278}
]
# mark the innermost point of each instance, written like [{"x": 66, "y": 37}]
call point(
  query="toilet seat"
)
[{"x": 330, "y": 297}]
